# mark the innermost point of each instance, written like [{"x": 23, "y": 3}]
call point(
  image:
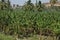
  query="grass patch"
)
[
  {"x": 39, "y": 37},
  {"x": 6, "y": 37}
]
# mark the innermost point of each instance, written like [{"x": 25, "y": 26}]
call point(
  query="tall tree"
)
[
  {"x": 39, "y": 6},
  {"x": 29, "y": 2},
  {"x": 2, "y": 0},
  {"x": 39, "y": 3},
  {"x": 8, "y": 3},
  {"x": 28, "y": 5}
]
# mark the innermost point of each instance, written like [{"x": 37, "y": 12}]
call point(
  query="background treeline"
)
[
  {"x": 31, "y": 20},
  {"x": 28, "y": 6}
]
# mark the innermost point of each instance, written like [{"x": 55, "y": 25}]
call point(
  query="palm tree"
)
[{"x": 53, "y": 2}]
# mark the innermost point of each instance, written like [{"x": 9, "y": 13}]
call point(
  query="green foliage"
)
[
  {"x": 9, "y": 5},
  {"x": 39, "y": 6},
  {"x": 4, "y": 5},
  {"x": 24, "y": 24},
  {"x": 28, "y": 6},
  {"x": 53, "y": 2},
  {"x": 27, "y": 23}
]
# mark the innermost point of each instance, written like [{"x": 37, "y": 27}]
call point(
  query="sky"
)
[{"x": 21, "y": 2}]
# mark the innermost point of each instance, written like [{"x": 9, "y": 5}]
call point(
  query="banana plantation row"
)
[{"x": 30, "y": 20}]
